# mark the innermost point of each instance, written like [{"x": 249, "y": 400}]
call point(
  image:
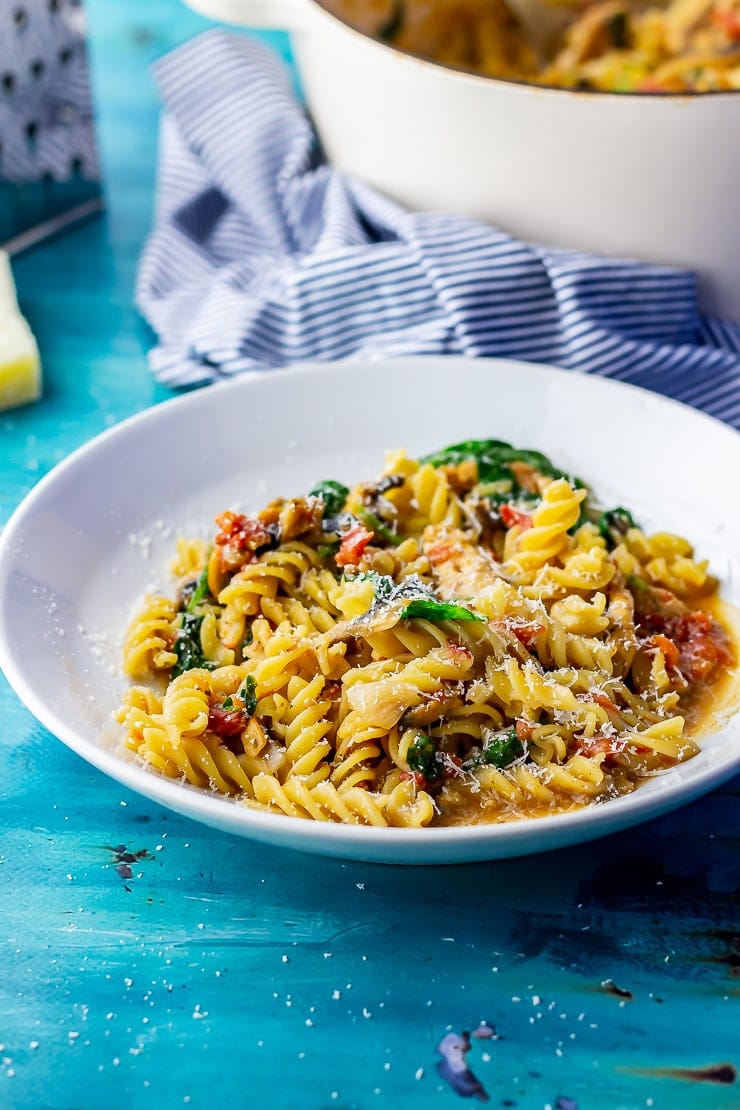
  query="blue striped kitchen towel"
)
[{"x": 264, "y": 255}]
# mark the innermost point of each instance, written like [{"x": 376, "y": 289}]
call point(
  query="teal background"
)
[{"x": 227, "y": 973}]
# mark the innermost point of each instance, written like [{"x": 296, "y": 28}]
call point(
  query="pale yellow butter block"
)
[{"x": 20, "y": 365}]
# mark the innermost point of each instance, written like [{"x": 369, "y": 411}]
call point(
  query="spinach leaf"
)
[
  {"x": 188, "y": 648},
  {"x": 200, "y": 593},
  {"x": 499, "y": 750},
  {"x": 523, "y": 499},
  {"x": 493, "y": 457},
  {"x": 248, "y": 694},
  {"x": 422, "y": 757},
  {"x": 614, "y": 523},
  {"x": 383, "y": 584},
  {"x": 333, "y": 494},
  {"x": 388, "y": 594},
  {"x": 502, "y": 748},
  {"x": 423, "y": 609}
]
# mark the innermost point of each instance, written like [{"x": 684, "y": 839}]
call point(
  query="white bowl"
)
[
  {"x": 646, "y": 176},
  {"x": 99, "y": 531}
]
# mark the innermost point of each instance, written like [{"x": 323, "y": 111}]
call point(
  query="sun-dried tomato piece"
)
[
  {"x": 238, "y": 539},
  {"x": 512, "y": 516},
  {"x": 353, "y": 545},
  {"x": 226, "y": 722}
]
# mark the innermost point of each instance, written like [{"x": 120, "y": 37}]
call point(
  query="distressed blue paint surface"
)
[{"x": 227, "y": 973}]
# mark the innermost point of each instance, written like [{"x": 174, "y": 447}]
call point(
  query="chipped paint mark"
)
[
  {"x": 485, "y": 1032},
  {"x": 454, "y": 1069},
  {"x": 725, "y": 1074},
  {"x": 123, "y": 858},
  {"x": 562, "y": 1102},
  {"x": 611, "y": 987}
]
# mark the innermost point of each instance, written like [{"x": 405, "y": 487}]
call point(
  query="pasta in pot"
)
[
  {"x": 465, "y": 639},
  {"x": 610, "y": 45}
]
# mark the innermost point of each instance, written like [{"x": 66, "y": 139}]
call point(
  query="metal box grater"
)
[{"x": 49, "y": 173}]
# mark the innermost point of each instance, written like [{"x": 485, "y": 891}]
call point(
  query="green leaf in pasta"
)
[
  {"x": 422, "y": 757},
  {"x": 423, "y": 609},
  {"x": 499, "y": 749},
  {"x": 614, "y": 523},
  {"x": 246, "y": 694},
  {"x": 333, "y": 494},
  {"x": 187, "y": 646},
  {"x": 200, "y": 593},
  {"x": 493, "y": 457},
  {"x": 383, "y": 584},
  {"x": 505, "y": 492}
]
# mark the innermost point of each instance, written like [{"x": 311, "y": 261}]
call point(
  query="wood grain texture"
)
[{"x": 149, "y": 962}]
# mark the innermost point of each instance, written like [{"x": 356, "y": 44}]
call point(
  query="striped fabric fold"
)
[{"x": 263, "y": 255}]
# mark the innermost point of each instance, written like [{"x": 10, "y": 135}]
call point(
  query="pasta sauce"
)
[{"x": 466, "y": 638}]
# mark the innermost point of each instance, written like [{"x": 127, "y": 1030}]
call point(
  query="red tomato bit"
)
[
  {"x": 525, "y": 631},
  {"x": 668, "y": 647},
  {"x": 512, "y": 516},
  {"x": 353, "y": 545},
  {"x": 226, "y": 722},
  {"x": 605, "y": 703},
  {"x": 608, "y": 746},
  {"x": 239, "y": 536},
  {"x": 702, "y": 644}
]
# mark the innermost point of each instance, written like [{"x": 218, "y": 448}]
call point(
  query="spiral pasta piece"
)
[
  {"x": 304, "y": 728},
  {"x": 435, "y": 501},
  {"x": 186, "y": 705},
  {"x": 150, "y": 637},
  {"x": 323, "y": 803},
  {"x": 528, "y": 550},
  {"x": 358, "y": 753}
]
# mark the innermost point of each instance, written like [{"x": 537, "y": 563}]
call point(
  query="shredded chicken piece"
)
[
  {"x": 299, "y": 516},
  {"x": 459, "y": 567}
]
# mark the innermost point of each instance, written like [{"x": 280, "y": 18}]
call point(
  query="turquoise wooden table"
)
[{"x": 148, "y": 961}]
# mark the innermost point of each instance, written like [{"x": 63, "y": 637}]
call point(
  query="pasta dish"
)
[
  {"x": 609, "y": 45},
  {"x": 466, "y": 638}
]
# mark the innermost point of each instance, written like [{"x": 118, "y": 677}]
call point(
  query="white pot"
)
[{"x": 654, "y": 177}]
